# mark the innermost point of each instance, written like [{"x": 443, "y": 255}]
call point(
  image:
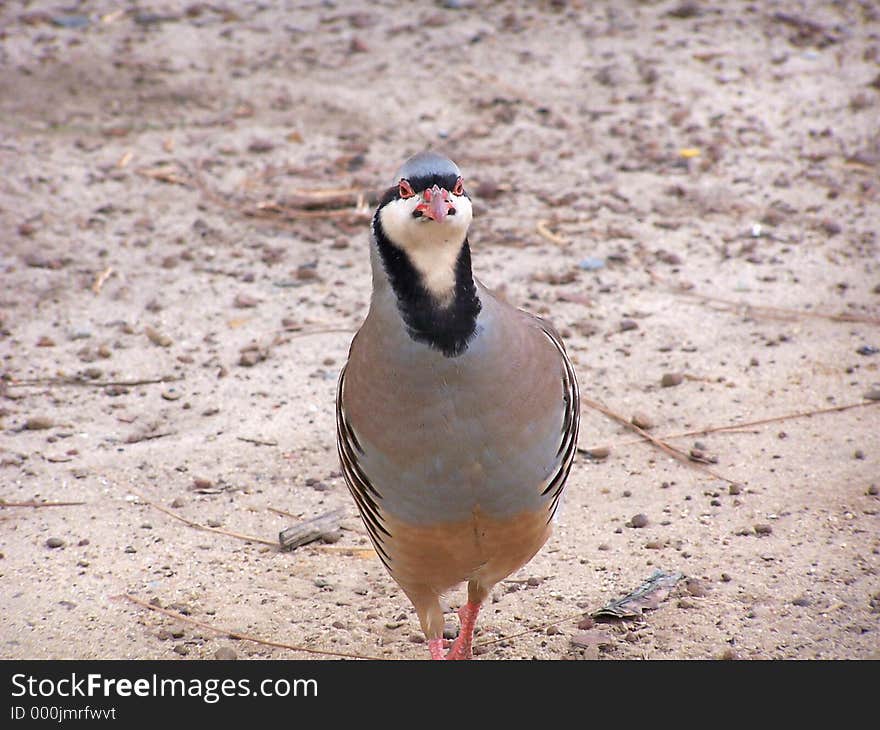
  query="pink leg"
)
[
  {"x": 461, "y": 649},
  {"x": 437, "y": 647}
]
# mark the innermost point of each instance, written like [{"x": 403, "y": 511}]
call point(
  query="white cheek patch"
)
[{"x": 432, "y": 247}]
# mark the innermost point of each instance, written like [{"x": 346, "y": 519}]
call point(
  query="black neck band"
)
[{"x": 445, "y": 327}]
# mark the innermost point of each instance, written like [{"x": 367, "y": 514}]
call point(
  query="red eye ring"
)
[
  {"x": 459, "y": 187},
  {"x": 404, "y": 189}
]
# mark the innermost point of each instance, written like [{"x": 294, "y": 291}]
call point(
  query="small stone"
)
[
  {"x": 734, "y": 489},
  {"x": 225, "y": 654},
  {"x": 654, "y": 544},
  {"x": 586, "y": 623},
  {"x": 670, "y": 380},
  {"x": 599, "y": 453},
  {"x": 45, "y": 341},
  {"x": 130, "y": 549},
  {"x": 801, "y": 601},
  {"x": 181, "y": 649},
  {"x": 639, "y": 520},
  {"x": 553, "y": 630},
  {"x": 163, "y": 635},
  {"x": 696, "y": 587},
  {"x": 873, "y": 490},
  {"x": 449, "y": 631},
  {"x": 858, "y": 454},
  {"x": 245, "y": 301},
  {"x": 873, "y": 394},
  {"x": 534, "y": 581},
  {"x": 726, "y": 578},
  {"x": 157, "y": 338},
  {"x": 642, "y": 420},
  {"x": 202, "y": 483},
  {"x": 628, "y": 324},
  {"x": 260, "y": 146},
  {"x": 330, "y": 537},
  {"x": 171, "y": 394},
  {"x": 603, "y": 546},
  {"x": 306, "y": 272},
  {"x": 763, "y": 529},
  {"x": 181, "y": 608},
  {"x": 868, "y": 350},
  {"x": 729, "y": 654},
  {"x": 686, "y": 603},
  {"x": 177, "y": 503},
  {"x": 38, "y": 423},
  {"x": 55, "y": 542},
  {"x": 214, "y": 523},
  {"x": 416, "y": 639}
]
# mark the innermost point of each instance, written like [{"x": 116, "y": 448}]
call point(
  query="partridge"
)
[{"x": 457, "y": 413}]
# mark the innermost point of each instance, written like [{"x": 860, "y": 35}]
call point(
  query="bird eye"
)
[
  {"x": 459, "y": 187},
  {"x": 404, "y": 189}
]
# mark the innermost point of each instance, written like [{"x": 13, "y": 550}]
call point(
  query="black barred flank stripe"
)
[
  {"x": 448, "y": 328},
  {"x": 570, "y": 426},
  {"x": 363, "y": 492}
]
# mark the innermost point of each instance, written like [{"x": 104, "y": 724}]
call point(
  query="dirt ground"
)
[{"x": 686, "y": 189}]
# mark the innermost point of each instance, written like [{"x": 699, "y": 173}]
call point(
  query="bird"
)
[{"x": 457, "y": 414}]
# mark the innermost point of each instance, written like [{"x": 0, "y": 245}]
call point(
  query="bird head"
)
[
  {"x": 426, "y": 215},
  {"x": 428, "y": 205}
]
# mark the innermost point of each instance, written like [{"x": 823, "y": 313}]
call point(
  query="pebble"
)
[
  {"x": 763, "y": 529},
  {"x": 163, "y": 635},
  {"x": 873, "y": 394},
  {"x": 599, "y": 453},
  {"x": 858, "y": 454},
  {"x": 654, "y": 544},
  {"x": 449, "y": 631},
  {"x": 726, "y": 577},
  {"x": 177, "y": 503},
  {"x": 225, "y": 654},
  {"x": 671, "y": 379},
  {"x": 639, "y": 520},
  {"x": 38, "y": 423},
  {"x": 686, "y": 603},
  {"x": 874, "y": 490},
  {"x": 157, "y": 338},
  {"x": 696, "y": 587},
  {"x": 171, "y": 394},
  {"x": 603, "y": 546},
  {"x": 202, "y": 483},
  {"x": 245, "y": 301},
  {"x": 734, "y": 489},
  {"x": 181, "y": 649},
  {"x": 45, "y": 341},
  {"x": 801, "y": 601},
  {"x": 306, "y": 272},
  {"x": 591, "y": 263},
  {"x": 55, "y": 542},
  {"x": 642, "y": 420},
  {"x": 729, "y": 654},
  {"x": 868, "y": 350},
  {"x": 416, "y": 639},
  {"x": 214, "y": 523},
  {"x": 628, "y": 324},
  {"x": 586, "y": 623}
]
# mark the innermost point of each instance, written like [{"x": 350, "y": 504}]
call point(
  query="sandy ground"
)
[{"x": 684, "y": 188}]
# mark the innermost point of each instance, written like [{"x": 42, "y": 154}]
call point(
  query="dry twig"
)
[
  {"x": 199, "y": 526},
  {"x": 239, "y": 636}
]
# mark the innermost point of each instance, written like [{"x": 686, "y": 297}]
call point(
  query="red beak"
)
[{"x": 436, "y": 205}]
